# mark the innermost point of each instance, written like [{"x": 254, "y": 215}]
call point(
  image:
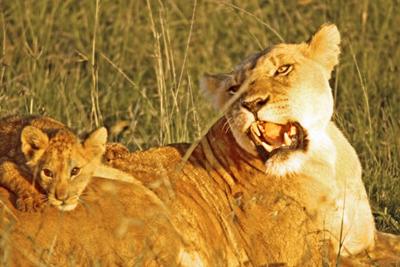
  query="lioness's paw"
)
[
  {"x": 115, "y": 151},
  {"x": 30, "y": 202}
]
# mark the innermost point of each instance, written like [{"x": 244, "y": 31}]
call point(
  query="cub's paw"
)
[
  {"x": 31, "y": 202},
  {"x": 115, "y": 151}
]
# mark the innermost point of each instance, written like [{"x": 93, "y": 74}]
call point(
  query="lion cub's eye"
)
[
  {"x": 75, "y": 171},
  {"x": 284, "y": 70},
  {"x": 47, "y": 173}
]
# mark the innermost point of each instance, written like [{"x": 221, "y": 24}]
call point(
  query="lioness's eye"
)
[
  {"x": 75, "y": 171},
  {"x": 284, "y": 69},
  {"x": 47, "y": 173},
  {"x": 233, "y": 89}
]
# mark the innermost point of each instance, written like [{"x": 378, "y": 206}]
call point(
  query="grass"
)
[{"x": 89, "y": 63}]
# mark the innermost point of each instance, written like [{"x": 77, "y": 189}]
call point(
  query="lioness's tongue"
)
[{"x": 272, "y": 132}]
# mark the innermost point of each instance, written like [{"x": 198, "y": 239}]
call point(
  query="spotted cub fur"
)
[{"x": 43, "y": 153}]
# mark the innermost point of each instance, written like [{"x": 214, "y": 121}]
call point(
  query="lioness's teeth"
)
[
  {"x": 287, "y": 139},
  {"x": 293, "y": 130},
  {"x": 267, "y": 147},
  {"x": 255, "y": 129},
  {"x": 260, "y": 128}
]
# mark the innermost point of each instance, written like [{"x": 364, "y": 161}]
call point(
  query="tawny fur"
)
[
  {"x": 232, "y": 213},
  {"x": 118, "y": 224}
]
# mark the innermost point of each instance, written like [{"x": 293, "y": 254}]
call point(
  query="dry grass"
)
[{"x": 98, "y": 62}]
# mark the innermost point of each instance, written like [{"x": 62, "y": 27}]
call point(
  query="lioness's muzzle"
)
[{"x": 270, "y": 138}]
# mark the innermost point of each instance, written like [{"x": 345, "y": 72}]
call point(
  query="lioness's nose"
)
[{"x": 255, "y": 104}]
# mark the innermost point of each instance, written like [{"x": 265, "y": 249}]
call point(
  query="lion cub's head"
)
[
  {"x": 285, "y": 102},
  {"x": 61, "y": 163}
]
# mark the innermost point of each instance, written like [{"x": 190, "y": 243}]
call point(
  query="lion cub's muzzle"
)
[{"x": 271, "y": 138}]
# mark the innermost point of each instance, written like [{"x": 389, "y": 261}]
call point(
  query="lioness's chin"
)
[{"x": 282, "y": 164}]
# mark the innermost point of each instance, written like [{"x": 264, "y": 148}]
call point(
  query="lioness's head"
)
[
  {"x": 287, "y": 100},
  {"x": 61, "y": 163}
]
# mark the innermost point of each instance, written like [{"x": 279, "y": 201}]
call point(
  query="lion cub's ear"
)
[
  {"x": 33, "y": 143},
  {"x": 324, "y": 46},
  {"x": 95, "y": 143}
]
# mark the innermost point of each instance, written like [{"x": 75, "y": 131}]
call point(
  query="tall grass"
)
[{"x": 100, "y": 62}]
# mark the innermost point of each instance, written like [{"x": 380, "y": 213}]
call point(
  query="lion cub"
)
[{"x": 41, "y": 150}]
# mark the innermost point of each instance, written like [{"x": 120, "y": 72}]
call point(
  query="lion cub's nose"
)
[
  {"x": 255, "y": 105},
  {"x": 61, "y": 193}
]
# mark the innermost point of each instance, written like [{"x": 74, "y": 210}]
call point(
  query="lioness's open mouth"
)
[{"x": 270, "y": 138}]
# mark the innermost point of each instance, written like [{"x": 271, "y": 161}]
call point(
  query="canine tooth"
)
[
  {"x": 256, "y": 140},
  {"x": 293, "y": 130},
  {"x": 260, "y": 128},
  {"x": 287, "y": 139},
  {"x": 256, "y": 130},
  {"x": 267, "y": 147}
]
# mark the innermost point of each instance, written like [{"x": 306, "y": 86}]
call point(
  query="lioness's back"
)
[
  {"x": 253, "y": 225},
  {"x": 117, "y": 224}
]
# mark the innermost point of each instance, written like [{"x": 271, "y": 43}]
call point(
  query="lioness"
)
[
  {"x": 44, "y": 151},
  {"x": 274, "y": 181},
  {"x": 284, "y": 117}
]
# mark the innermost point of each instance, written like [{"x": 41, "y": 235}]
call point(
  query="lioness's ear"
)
[
  {"x": 217, "y": 86},
  {"x": 96, "y": 142},
  {"x": 324, "y": 46},
  {"x": 220, "y": 87},
  {"x": 33, "y": 143}
]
